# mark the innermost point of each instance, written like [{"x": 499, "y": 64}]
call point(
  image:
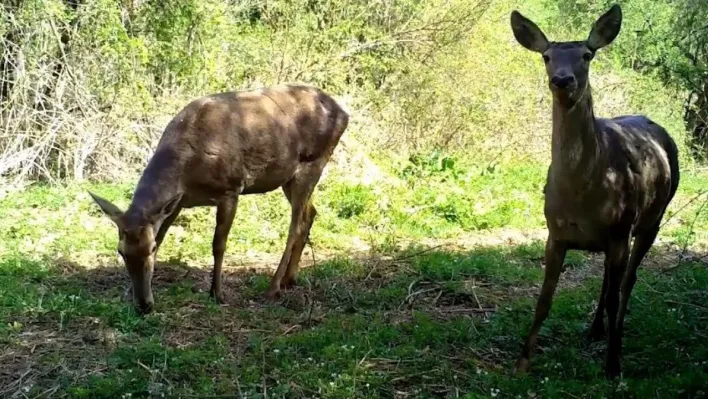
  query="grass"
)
[{"x": 423, "y": 286}]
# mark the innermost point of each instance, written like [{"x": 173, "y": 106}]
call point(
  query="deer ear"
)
[
  {"x": 605, "y": 29},
  {"x": 108, "y": 208},
  {"x": 527, "y": 33},
  {"x": 165, "y": 209}
]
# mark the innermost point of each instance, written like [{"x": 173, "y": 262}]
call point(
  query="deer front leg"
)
[
  {"x": 225, "y": 212},
  {"x": 617, "y": 255},
  {"x": 555, "y": 255}
]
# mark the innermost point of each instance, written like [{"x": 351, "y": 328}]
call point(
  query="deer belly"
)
[
  {"x": 579, "y": 234},
  {"x": 264, "y": 185},
  {"x": 272, "y": 178},
  {"x": 196, "y": 199}
]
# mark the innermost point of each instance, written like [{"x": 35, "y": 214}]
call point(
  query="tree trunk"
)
[{"x": 697, "y": 121}]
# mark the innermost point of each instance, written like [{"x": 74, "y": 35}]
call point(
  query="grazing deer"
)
[
  {"x": 220, "y": 147},
  {"x": 609, "y": 180}
]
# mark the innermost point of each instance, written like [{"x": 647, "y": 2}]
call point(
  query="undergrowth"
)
[{"x": 422, "y": 286}]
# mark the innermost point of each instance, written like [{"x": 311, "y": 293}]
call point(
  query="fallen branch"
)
[{"x": 415, "y": 254}]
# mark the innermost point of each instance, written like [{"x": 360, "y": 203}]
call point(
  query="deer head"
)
[
  {"x": 568, "y": 63},
  {"x": 137, "y": 245}
]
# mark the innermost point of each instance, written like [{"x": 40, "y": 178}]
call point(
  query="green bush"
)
[
  {"x": 89, "y": 86},
  {"x": 351, "y": 201}
]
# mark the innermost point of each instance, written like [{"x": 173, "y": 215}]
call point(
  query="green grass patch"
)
[
  {"x": 351, "y": 329},
  {"x": 410, "y": 321}
]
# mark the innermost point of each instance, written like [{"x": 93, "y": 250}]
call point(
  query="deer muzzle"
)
[
  {"x": 564, "y": 82},
  {"x": 142, "y": 293}
]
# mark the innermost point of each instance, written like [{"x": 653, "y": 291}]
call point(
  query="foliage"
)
[{"x": 88, "y": 86}]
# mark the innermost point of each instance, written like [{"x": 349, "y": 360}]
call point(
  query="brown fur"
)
[
  {"x": 609, "y": 180},
  {"x": 220, "y": 147}
]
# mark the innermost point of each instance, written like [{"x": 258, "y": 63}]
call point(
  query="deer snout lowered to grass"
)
[
  {"x": 610, "y": 180},
  {"x": 220, "y": 147}
]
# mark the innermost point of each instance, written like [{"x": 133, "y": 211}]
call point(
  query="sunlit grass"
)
[{"x": 423, "y": 322}]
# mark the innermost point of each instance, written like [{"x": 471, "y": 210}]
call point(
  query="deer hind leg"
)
[
  {"x": 617, "y": 255},
  {"x": 225, "y": 212},
  {"x": 310, "y": 212},
  {"x": 300, "y": 189},
  {"x": 641, "y": 246},
  {"x": 597, "y": 328},
  {"x": 555, "y": 255}
]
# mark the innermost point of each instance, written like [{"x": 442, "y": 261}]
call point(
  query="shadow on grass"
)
[{"x": 420, "y": 323}]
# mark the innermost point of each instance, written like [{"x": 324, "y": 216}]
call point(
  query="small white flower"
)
[{"x": 276, "y": 350}]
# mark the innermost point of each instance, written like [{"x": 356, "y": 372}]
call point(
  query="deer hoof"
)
[{"x": 522, "y": 366}]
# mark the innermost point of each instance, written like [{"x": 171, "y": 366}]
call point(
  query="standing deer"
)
[
  {"x": 220, "y": 147},
  {"x": 609, "y": 180}
]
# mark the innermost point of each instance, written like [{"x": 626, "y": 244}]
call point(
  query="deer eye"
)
[
  {"x": 546, "y": 58},
  {"x": 587, "y": 57},
  {"x": 153, "y": 249}
]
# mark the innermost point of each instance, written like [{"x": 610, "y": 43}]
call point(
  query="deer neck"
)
[
  {"x": 574, "y": 144},
  {"x": 159, "y": 183}
]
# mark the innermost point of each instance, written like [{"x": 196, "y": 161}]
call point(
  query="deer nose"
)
[{"x": 562, "y": 82}]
